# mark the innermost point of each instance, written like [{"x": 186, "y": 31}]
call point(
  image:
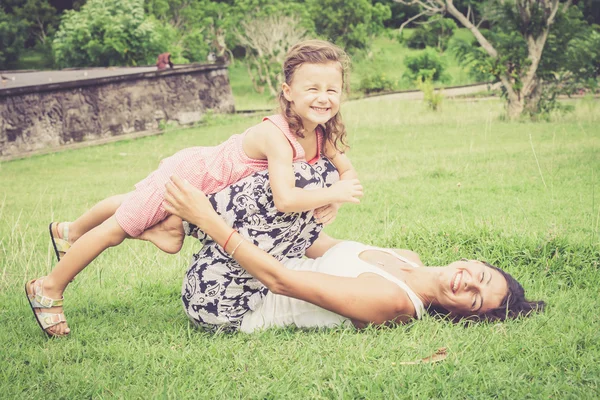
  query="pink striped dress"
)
[{"x": 209, "y": 169}]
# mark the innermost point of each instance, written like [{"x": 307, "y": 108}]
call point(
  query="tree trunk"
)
[
  {"x": 532, "y": 101},
  {"x": 514, "y": 106}
]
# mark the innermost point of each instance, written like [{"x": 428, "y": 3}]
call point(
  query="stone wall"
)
[{"x": 47, "y": 116}]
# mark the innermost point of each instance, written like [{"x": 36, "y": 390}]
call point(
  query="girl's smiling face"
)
[
  {"x": 315, "y": 92},
  {"x": 471, "y": 288}
]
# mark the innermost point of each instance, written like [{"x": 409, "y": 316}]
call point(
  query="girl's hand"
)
[
  {"x": 188, "y": 203},
  {"x": 327, "y": 214},
  {"x": 348, "y": 190}
]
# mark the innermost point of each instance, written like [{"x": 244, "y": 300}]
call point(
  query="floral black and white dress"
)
[{"x": 217, "y": 291}]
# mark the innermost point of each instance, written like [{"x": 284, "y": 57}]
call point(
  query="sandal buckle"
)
[{"x": 45, "y": 301}]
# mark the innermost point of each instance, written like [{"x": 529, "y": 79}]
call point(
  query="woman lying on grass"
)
[{"x": 341, "y": 283}]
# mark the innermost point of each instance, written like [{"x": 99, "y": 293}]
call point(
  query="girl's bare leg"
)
[
  {"x": 83, "y": 251},
  {"x": 167, "y": 235},
  {"x": 90, "y": 219}
]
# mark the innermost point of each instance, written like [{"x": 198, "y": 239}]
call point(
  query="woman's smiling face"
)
[
  {"x": 471, "y": 288},
  {"x": 315, "y": 92}
]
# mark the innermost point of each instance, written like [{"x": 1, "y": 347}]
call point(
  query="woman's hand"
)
[
  {"x": 188, "y": 203},
  {"x": 326, "y": 215}
]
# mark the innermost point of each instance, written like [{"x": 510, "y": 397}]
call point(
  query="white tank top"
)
[{"x": 341, "y": 260}]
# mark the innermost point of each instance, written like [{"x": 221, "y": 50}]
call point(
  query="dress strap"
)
[
  {"x": 320, "y": 150},
  {"x": 279, "y": 121}
]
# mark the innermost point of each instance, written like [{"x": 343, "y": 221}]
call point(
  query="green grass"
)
[
  {"x": 528, "y": 201},
  {"x": 387, "y": 57}
]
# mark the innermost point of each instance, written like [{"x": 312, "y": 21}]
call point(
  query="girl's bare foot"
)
[{"x": 167, "y": 235}]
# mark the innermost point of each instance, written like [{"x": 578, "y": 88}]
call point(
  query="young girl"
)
[{"x": 309, "y": 124}]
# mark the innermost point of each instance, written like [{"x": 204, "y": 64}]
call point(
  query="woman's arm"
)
[{"x": 369, "y": 298}]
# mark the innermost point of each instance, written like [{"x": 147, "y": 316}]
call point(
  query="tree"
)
[
  {"x": 513, "y": 46},
  {"x": 109, "y": 32},
  {"x": 267, "y": 40},
  {"x": 41, "y": 16},
  {"x": 433, "y": 33},
  {"x": 351, "y": 24},
  {"x": 13, "y": 33}
]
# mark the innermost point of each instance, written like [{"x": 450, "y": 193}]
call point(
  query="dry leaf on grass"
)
[{"x": 439, "y": 355}]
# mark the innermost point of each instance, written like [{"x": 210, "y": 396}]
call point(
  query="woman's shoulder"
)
[{"x": 393, "y": 302}]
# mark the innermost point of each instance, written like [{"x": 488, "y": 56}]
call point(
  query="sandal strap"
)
[
  {"x": 40, "y": 301},
  {"x": 48, "y": 320},
  {"x": 65, "y": 232},
  {"x": 61, "y": 245}
]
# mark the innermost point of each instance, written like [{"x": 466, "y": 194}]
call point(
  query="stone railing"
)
[{"x": 50, "y": 110}]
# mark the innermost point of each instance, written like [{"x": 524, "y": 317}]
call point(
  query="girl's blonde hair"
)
[{"x": 315, "y": 52}]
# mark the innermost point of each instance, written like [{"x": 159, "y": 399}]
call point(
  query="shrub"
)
[
  {"x": 110, "y": 33},
  {"x": 432, "y": 98},
  {"x": 375, "y": 82},
  {"x": 427, "y": 63}
]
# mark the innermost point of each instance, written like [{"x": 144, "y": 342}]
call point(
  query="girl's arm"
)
[
  {"x": 327, "y": 214},
  {"x": 287, "y": 197},
  {"x": 340, "y": 161},
  {"x": 367, "y": 299}
]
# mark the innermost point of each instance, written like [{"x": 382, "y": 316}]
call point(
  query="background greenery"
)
[
  {"x": 80, "y": 33},
  {"x": 459, "y": 183}
]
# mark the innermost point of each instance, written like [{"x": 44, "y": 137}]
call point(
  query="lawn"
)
[{"x": 460, "y": 183}]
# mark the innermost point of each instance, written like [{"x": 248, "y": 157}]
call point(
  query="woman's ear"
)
[{"x": 286, "y": 89}]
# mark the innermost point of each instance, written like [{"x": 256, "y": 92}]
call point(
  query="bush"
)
[
  {"x": 427, "y": 63},
  {"x": 375, "y": 82},
  {"x": 436, "y": 33},
  {"x": 110, "y": 33},
  {"x": 432, "y": 98}
]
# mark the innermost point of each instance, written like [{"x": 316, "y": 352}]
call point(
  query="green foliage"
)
[
  {"x": 41, "y": 17},
  {"x": 435, "y": 33},
  {"x": 376, "y": 81},
  {"x": 13, "y": 32},
  {"x": 432, "y": 98},
  {"x": 350, "y": 24},
  {"x": 570, "y": 59},
  {"x": 200, "y": 26},
  {"x": 109, "y": 33},
  {"x": 426, "y": 63}
]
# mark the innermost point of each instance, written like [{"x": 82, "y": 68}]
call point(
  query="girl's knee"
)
[{"x": 112, "y": 232}]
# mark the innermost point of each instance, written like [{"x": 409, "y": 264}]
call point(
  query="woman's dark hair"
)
[{"x": 513, "y": 305}]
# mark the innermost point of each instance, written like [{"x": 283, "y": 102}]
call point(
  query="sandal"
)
[
  {"x": 37, "y": 300},
  {"x": 61, "y": 245}
]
